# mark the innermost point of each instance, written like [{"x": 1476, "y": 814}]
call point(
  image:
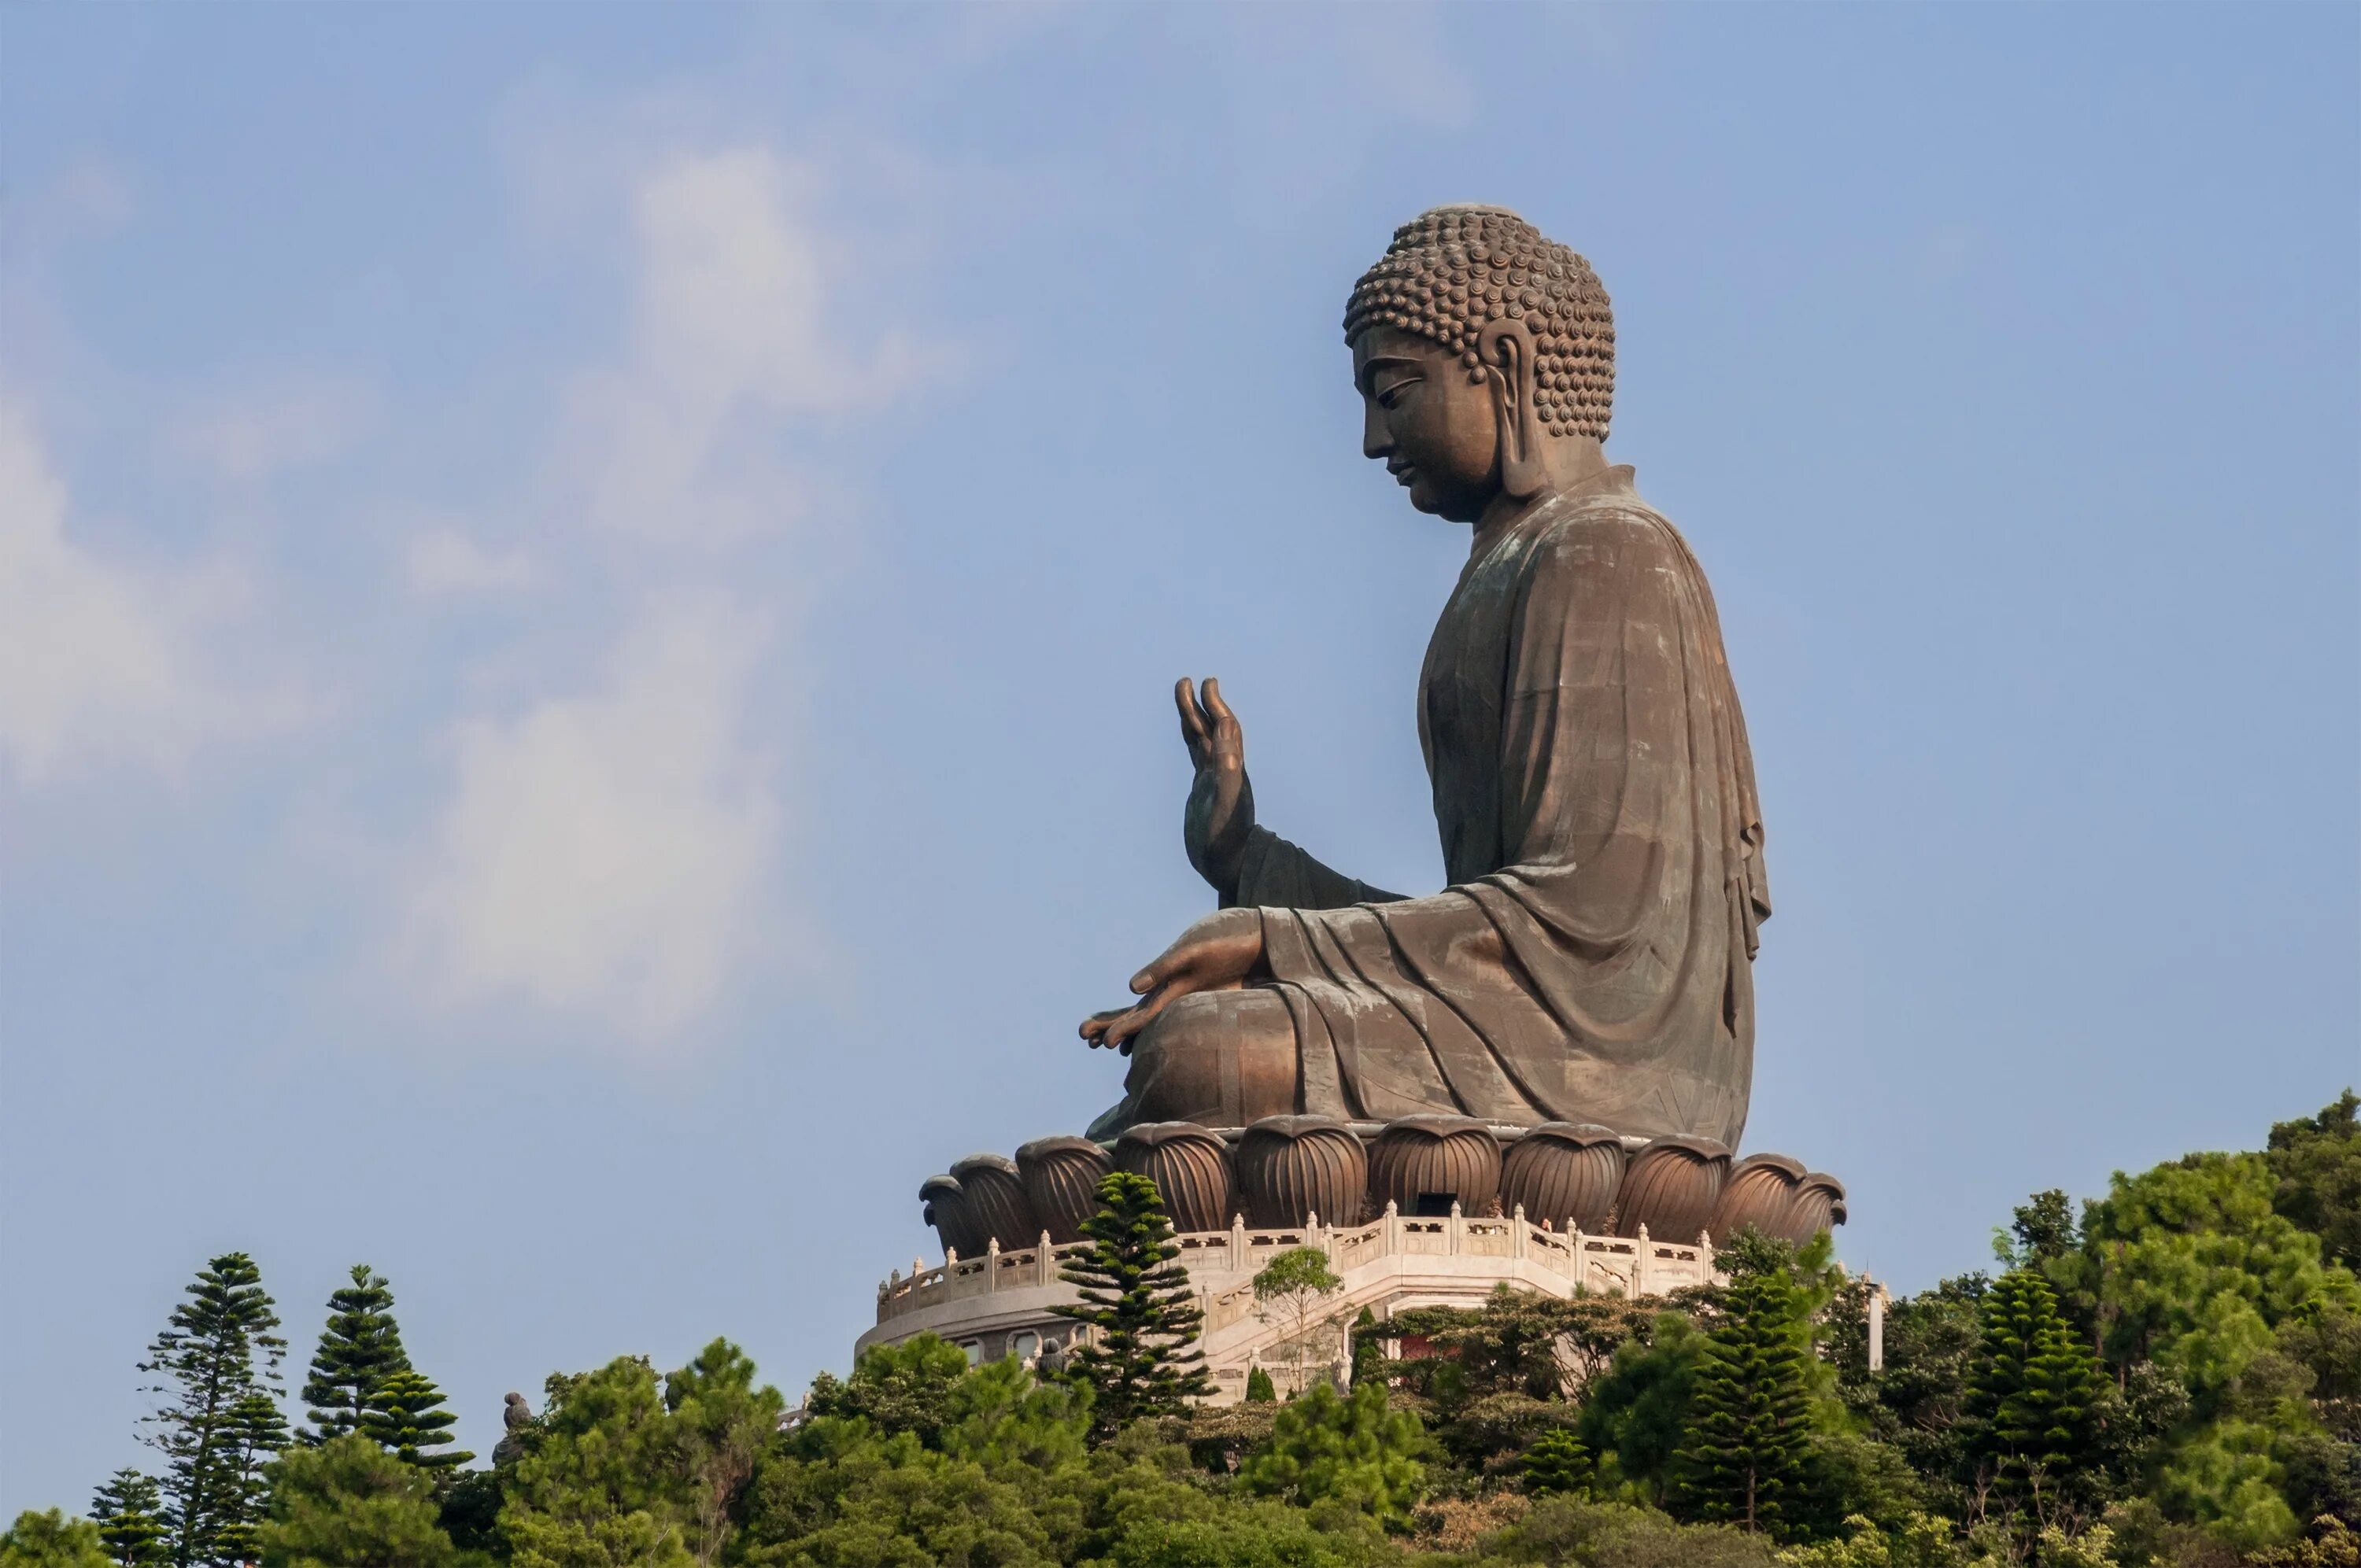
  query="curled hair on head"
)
[{"x": 1451, "y": 270}]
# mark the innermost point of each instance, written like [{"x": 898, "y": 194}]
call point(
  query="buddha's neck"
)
[{"x": 1567, "y": 464}]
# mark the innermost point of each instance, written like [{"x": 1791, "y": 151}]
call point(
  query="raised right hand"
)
[{"x": 1219, "y": 815}]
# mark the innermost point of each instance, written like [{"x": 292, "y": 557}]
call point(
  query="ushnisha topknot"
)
[{"x": 1452, "y": 269}]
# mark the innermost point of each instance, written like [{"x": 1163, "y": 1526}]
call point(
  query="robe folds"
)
[{"x": 1592, "y": 959}]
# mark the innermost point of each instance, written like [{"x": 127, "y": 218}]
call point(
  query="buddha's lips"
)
[{"x": 1403, "y": 474}]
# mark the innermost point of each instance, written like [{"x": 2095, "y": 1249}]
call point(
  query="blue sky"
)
[{"x": 588, "y": 597}]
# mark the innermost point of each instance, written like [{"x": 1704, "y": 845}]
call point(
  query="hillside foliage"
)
[{"x": 2168, "y": 1377}]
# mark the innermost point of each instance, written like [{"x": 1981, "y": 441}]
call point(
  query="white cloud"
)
[
  {"x": 606, "y": 854},
  {"x": 256, "y": 432},
  {"x": 100, "y": 664},
  {"x": 445, "y": 560},
  {"x": 612, "y": 853},
  {"x": 680, "y": 442}
]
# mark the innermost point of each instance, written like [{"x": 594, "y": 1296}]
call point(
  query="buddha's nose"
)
[{"x": 1376, "y": 439}]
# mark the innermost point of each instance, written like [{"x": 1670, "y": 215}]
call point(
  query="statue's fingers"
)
[
  {"x": 1192, "y": 719},
  {"x": 1094, "y": 1028},
  {"x": 1161, "y": 969},
  {"x": 1120, "y": 1030},
  {"x": 1226, "y": 726}
]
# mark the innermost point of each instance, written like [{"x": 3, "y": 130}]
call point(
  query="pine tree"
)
[
  {"x": 1355, "y": 1449},
  {"x": 1557, "y": 1463},
  {"x": 213, "y": 1429},
  {"x": 258, "y": 1434},
  {"x": 1369, "y": 1350},
  {"x": 406, "y": 1415},
  {"x": 1137, "y": 1299},
  {"x": 347, "y": 1503},
  {"x": 359, "y": 1348},
  {"x": 2029, "y": 1396},
  {"x": 1749, "y": 1410},
  {"x": 129, "y": 1510},
  {"x": 1260, "y": 1389}
]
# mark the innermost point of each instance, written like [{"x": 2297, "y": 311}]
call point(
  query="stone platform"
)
[{"x": 998, "y": 1304}]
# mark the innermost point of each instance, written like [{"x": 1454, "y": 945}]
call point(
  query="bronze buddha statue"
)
[{"x": 1590, "y": 960}]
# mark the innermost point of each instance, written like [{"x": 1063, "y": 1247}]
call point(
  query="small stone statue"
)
[
  {"x": 517, "y": 1416},
  {"x": 1591, "y": 958}
]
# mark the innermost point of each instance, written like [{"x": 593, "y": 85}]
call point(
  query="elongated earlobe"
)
[{"x": 1507, "y": 356}]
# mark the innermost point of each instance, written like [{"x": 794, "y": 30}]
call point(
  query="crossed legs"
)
[{"x": 1221, "y": 1059}]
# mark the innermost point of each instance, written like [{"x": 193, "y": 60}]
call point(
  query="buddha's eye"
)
[{"x": 1389, "y": 395}]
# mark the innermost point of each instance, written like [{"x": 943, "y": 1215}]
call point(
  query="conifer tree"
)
[
  {"x": 1743, "y": 1461},
  {"x": 406, "y": 1415},
  {"x": 1260, "y": 1389},
  {"x": 1369, "y": 1350},
  {"x": 219, "y": 1421},
  {"x": 1138, "y": 1300},
  {"x": 2029, "y": 1396},
  {"x": 130, "y": 1514},
  {"x": 1557, "y": 1463},
  {"x": 258, "y": 1435},
  {"x": 360, "y": 1347}
]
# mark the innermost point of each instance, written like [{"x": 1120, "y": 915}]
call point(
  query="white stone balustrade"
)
[{"x": 1390, "y": 1262}]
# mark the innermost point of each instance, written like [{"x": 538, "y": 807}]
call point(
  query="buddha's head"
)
[{"x": 1485, "y": 357}]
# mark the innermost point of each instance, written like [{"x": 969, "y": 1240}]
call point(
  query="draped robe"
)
[{"x": 1592, "y": 959}]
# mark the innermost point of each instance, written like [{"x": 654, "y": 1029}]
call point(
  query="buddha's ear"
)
[{"x": 1507, "y": 351}]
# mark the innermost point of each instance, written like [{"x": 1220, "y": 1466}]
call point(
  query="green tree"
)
[
  {"x": 1915, "y": 1402},
  {"x": 1556, "y": 1462},
  {"x": 1575, "y": 1531},
  {"x": 1260, "y": 1390},
  {"x": 52, "y": 1539},
  {"x": 721, "y": 1419},
  {"x": 1369, "y": 1350},
  {"x": 219, "y": 1424},
  {"x": 2029, "y": 1399},
  {"x": 360, "y": 1347},
  {"x": 1750, "y": 1415},
  {"x": 1290, "y": 1289},
  {"x": 1635, "y": 1414},
  {"x": 1136, "y": 1301},
  {"x": 405, "y": 1415},
  {"x": 1352, "y": 1450},
  {"x": 348, "y": 1503},
  {"x": 129, "y": 1511},
  {"x": 903, "y": 1387},
  {"x": 2189, "y": 1266},
  {"x": 1512, "y": 1345},
  {"x": 258, "y": 1434},
  {"x": 2042, "y": 1228},
  {"x": 2315, "y": 1166},
  {"x": 631, "y": 1469},
  {"x": 594, "y": 1492}
]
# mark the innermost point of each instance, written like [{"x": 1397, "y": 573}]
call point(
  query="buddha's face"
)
[{"x": 1436, "y": 430}]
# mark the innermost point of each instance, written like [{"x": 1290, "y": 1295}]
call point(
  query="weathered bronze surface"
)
[
  {"x": 944, "y": 1205},
  {"x": 1291, "y": 1167},
  {"x": 1565, "y": 1175},
  {"x": 1760, "y": 1193},
  {"x": 1590, "y": 960},
  {"x": 996, "y": 1203},
  {"x": 1670, "y": 1187},
  {"x": 1190, "y": 1167},
  {"x": 1422, "y": 1165},
  {"x": 1062, "y": 1179},
  {"x": 1820, "y": 1204}
]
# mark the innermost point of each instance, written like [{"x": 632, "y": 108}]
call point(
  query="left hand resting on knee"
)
[{"x": 1219, "y": 952}]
